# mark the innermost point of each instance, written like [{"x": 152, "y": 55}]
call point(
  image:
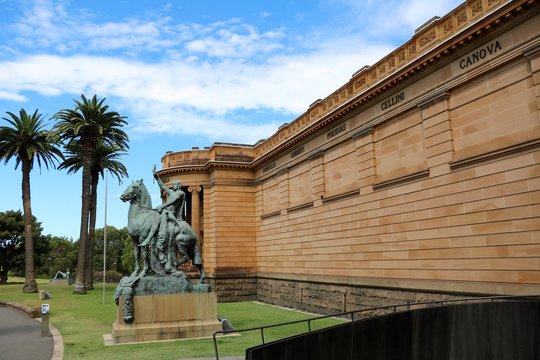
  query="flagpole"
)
[{"x": 105, "y": 237}]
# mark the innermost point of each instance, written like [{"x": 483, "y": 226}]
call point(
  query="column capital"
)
[{"x": 196, "y": 188}]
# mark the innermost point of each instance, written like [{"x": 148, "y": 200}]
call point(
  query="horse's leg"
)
[
  {"x": 137, "y": 253},
  {"x": 182, "y": 250},
  {"x": 203, "y": 274},
  {"x": 144, "y": 256},
  {"x": 151, "y": 233},
  {"x": 197, "y": 258}
]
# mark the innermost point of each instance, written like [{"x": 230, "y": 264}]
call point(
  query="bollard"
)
[{"x": 44, "y": 320}]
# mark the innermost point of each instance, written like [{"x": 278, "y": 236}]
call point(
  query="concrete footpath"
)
[{"x": 20, "y": 336}]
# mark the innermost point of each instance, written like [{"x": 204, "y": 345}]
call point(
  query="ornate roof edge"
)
[
  {"x": 482, "y": 25},
  {"x": 212, "y": 164},
  {"x": 434, "y": 51}
]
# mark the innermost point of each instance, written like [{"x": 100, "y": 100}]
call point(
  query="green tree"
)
[
  {"x": 115, "y": 249},
  {"x": 25, "y": 139},
  {"x": 41, "y": 251},
  {"x": 89, "y": 123},
  {"x": 105, "y": 157},
  {"x": 12, "y": 244},
  {"x": 62, "y": 254},
  {"x": 128, "y": 256}
]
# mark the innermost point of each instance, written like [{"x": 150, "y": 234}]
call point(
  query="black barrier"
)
[{"x": 479, "y": 331}]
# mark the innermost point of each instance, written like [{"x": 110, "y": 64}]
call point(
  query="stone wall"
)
[
  {"x": 318, "y": 297},
  {"x": 234, "y": 288},
  {"x": 324, "y": 298},
  {"x": 442, "y": 186}
]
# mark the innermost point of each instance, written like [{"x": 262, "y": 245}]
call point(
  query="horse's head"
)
[{"x": 132, "y": 192}]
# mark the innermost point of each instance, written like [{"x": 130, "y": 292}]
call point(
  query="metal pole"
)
[{"x": 105, "y": 238}]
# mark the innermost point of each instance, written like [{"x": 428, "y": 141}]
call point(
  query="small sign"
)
[{"x": 44, "y": 309}]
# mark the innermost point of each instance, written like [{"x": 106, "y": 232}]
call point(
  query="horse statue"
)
[{"x": 155, "y": 243}]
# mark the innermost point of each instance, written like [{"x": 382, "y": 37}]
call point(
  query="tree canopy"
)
[
  {"x": 12, "y": 247},
  {"x": 84, "y": 128},
  {"x": 27, "y": 140}
]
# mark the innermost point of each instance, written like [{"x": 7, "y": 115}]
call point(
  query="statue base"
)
[
  {"x": 64, "y": 282},
  {"x": 159, "y": 316}
]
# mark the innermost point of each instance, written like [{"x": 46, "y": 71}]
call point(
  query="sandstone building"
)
[{"x": 418, "y": 178}]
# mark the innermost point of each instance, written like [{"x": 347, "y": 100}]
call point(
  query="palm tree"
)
[
  {"x": 105, "y": 157},
  {"x": 26, "y": 140},
  {"x": 89, "y": 123}
]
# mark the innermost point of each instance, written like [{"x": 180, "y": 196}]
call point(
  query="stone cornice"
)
[
  {"x": 470, "y": 22},
  {"x": 204, "y": 168},
  {"x": 479, "y": 24}
]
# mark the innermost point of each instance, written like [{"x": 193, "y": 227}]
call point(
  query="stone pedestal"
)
[
  {"x": 167, "y": 317},
  {"x": 64, "y": 282}
]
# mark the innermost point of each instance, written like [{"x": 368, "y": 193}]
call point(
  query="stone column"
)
[{"x": 196, "y": 210}]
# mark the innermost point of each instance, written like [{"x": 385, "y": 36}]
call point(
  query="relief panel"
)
[
  {"x": 340, "y": 169},
  {"x": 399, "y": 147}
]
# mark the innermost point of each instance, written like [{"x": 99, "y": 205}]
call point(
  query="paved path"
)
[{"x": 20, "y": 337}]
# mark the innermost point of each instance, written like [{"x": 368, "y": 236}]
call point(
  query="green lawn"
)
[{"x": 83, "y": 319}]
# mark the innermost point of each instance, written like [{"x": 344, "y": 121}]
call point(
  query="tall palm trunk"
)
[
  {"x": 79, "y": 286},
  {"x": 30, "y": 285},
  {"x": 91, "y": 234}
]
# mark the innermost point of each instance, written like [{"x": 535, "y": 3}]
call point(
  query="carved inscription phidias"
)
[{"x": 335, "y": 131}]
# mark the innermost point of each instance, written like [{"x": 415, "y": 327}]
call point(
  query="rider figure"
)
[
  {"x": 171, "y": 214},
  {"x": 175, "y": 197}
]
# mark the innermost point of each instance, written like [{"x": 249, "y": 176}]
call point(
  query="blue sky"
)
[{"x": 184, "y": 73}]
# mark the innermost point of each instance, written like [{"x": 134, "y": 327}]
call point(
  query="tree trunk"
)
[
  {"x": 91, "y": 234},
  {"x": 79, "y": 285},
  {"x": 3, "y": 275},
  {"x": 30, "y": 285}
]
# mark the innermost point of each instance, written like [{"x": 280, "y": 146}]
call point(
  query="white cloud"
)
[
  {"x": 241, "y": 40},
  {"x": 48, "y": 25},
  {"x": 390, "y": 18},
  {"x": 208, "y": 71},
  {"x": 181, "y": 120},
  {"x": 8, "y": 95}
]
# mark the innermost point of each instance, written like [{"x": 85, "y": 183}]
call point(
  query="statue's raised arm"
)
[
  {"x": 160, "y": 183},
  {"x": 175, "y": 197}
]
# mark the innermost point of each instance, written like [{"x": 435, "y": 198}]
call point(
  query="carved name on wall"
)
[
  {"x": 480, "y": 54},
  {"x": 396, "y": 99},
  {"x": 335, "y": 131},
  {"x": 297, "y": 151},
  {"x": 269, "y": 167}
]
